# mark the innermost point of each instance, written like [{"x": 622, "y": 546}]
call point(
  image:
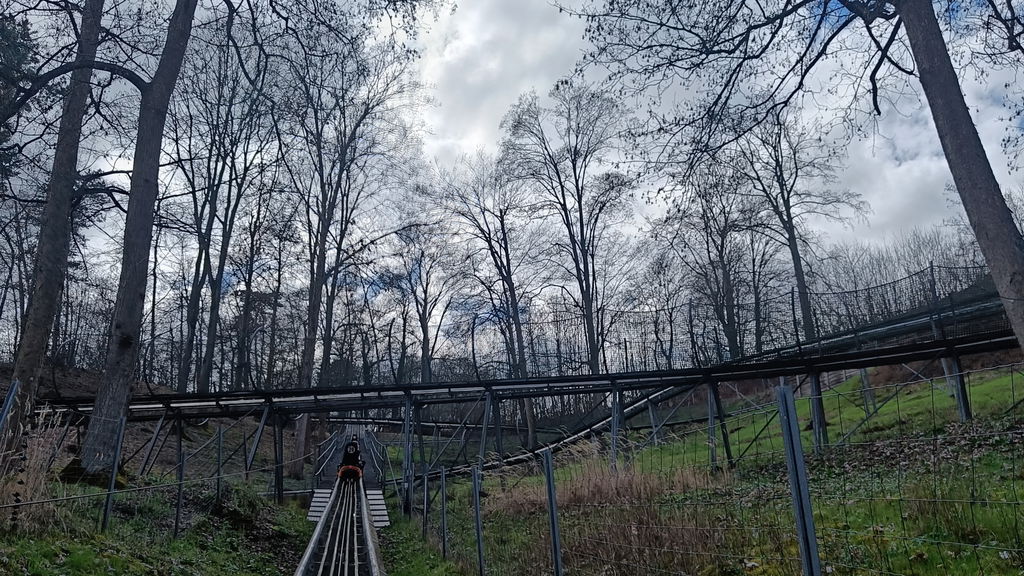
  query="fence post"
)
[
  {"x": 712, "y": 439},
  {"x": 802, "y": 512},
  {"x": 113, "y": 475},
  {"x": 279, "y": 460},
  {"x": 617, "y": 424},
  {"x": 818, "y": 415},
  {"x": 556, "y": 541},
  {"x": 444, "y": 514},
  {"x": 220, "y": 461},
  {"x": 407, "y": 458},
  {"x": 478, "y": 521},
  {"x": 181, "y": 475}
]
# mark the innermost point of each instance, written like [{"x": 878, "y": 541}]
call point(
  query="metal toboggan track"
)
[{"x": 343, "y": 542}]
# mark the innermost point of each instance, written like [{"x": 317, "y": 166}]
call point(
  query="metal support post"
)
[
  {"x": 818, "y": 415},
  {"x": 220, "y": 462},
  {"x": 867, "y": 391},
  {"x": 616, "y": 427},
  {"x": 444, "y": 514},
  {"x": 181, "y": 475},
  {"x": 478, "y": 520},
  {"x": 556, "y": 542},
  {"x": 496, "y": 414},
  {"x": 483, "y": 428},
  {"x": 426, "y": 504},
  {"x": 256, "y": 440},
  {"x": 712, "y": 439},
  {"x": 152, "y": 444},
  {"x": 951, "y": 364},
  {"x": 418, "y": 423},
  {"x": 113, "y": 475},
  {"x": 407, "y": 470},
  {"x": 654, "y": 423},
  {"x": 723, "y": 427},
  {"x": 278, "y": 460},
  {"x": 802, "y": 512},
  {"x": 963, "y": 402}
]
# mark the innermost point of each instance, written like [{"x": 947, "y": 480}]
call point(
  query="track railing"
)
[{"x": 344, "y": 541}]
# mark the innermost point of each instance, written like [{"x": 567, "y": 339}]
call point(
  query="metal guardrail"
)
[
  {"x": 314, "y": 541},
  {"x": 369, "y": 535},
  {"x": 335, "y": 544}
]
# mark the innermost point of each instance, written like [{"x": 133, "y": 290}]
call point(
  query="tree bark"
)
[
  {"x": 998, "y": 237},
  {"x": 51, "y": 261},
  {"x": 803, "y": 294},
  {"x": 188, "y": 347},
  {"x": 123, "y": 346}
]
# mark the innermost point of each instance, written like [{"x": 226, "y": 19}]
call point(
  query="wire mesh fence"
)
[
  {"x": 909, "y": 470},
  {"x": 170, "y": 474}
]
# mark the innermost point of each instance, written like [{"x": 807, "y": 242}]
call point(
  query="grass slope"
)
[
  {"x": 248, "y": 536},
  {"x": 910, "y": 491}
]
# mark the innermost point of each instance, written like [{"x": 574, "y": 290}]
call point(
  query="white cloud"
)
[{"x": 481, "y": 57}]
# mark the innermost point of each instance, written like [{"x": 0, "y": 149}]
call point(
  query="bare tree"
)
[
  {"x": 54, "y": 231},
  {"x": 560, "y": 151},
  {"x": 706, "y": 229},
  {"x": 348, "y": 89},
  {"x": 223, "y": 147},
  {"x": 426, "y": 273},
  {"x": 746, "y": 61},
  {"x": 116, "y": 386},
  {"x": 791, "y": 174},
  {"x": 498, "y": 217}
]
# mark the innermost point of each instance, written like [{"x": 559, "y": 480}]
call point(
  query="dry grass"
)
[
  {"x": 28, "y": 481},
  {"x": 588, "y": 480},
  {"x": 684, "y": 520}
]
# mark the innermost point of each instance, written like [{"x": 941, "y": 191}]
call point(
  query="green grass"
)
[
  {"x": 246, "y": 539},
  {"x": 406, "y": 554},
  {"x": 911, "y": 492}
]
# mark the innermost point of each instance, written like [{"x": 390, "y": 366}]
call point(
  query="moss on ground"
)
[{"x": 247, "y": 537}]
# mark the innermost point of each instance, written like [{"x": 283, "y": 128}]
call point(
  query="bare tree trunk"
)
[
  {"x": 269, "y": 383},
  {"x": 147, "y": 371},
  {"x": 998, "y": 237},
  {"x": 216, "y": 295},
  {"x": 51, "y": 261},
  {"x": 188, "y": 345},
  {"x": 243, "y": 367},
  {"x": 316, "y": 286},
  {"x": 123, "y": 347},
  {"x": 803, "y": 294},
  {"x": 425, "y": 359}
]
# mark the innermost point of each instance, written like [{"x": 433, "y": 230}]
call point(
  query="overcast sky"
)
[{"x": 480, "y": 57}]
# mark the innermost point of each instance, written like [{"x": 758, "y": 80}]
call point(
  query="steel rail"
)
[
  {"x": 360, "y": 397},
  {"x": 342, "y": 536}
]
